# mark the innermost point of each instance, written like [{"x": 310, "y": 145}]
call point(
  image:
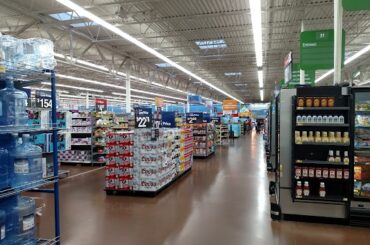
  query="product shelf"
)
[
  {"x": 343, "y": 108},
  {"x": 314, "y": 162},
  {"x": 28, "y": 130},
  {"x": 26, "y": 187},
  {"x": 321, "y": 144},
  {"x": 331, "y": 199},
  {"x": 334, "y": 125}
]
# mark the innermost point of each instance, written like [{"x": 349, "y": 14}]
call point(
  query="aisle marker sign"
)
[
  {"x": 168, "y": 119},
  {"x": 143, "y": 117},
  {"x": 309, "y": 76},
  {"x": 101, "y": 105},
  {"x": 317, "y": 50},
  {"x": 356, "y": 5},
  {"x": 194, "y": 117}
]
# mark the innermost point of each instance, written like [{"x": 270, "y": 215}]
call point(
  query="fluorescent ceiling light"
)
[
  {"x": 115, "y": 86},
  {"x": 262, "y": 94},
  {"x": 84, "y": 13},
  {"x": 150, "y": 93},
  {"x": 83, "y": 24},
  {"x": 357, "y": 74},
  {"x": 75, "y": 87},
  {"x": 346, "y": 62},
  {"x": 232, "y": 74},
  {"x": 256, "y": 15},
  {"x": 364, "y": 83},
  {"x": 211, "y": 44},
  {"x": 240, "y": 85},
  {"x": 260, "y": 78}
]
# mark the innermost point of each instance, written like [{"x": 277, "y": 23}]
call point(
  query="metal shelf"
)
[
  {"x": 42, "y": 241},
  {"x": 324, "y": 144},
  {"x": 345, "y": 125},
  {"x": 28, "y": 130},
  {"x": 345, "y": 108},
  {"x": 77, "y": 161},
  {"x": 313, "y": 162},
  {"x": 337, "y": 199},
  {"x": 28, "y": 186}
]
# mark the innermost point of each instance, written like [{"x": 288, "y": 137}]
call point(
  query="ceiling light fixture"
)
[
  {"x": 346, "y": 62},
  {"x": 84, "y": 13},
  {"x": 260, "y": 78},
  {"x": 262, "y": 95},
  {"x": 74, "y": 87},
  {"x": 256, "y": 16},
  {"x": 116, "y": 86}
]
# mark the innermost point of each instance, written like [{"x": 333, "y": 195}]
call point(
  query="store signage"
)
[
  {"x": 216, "y": 120},
  {"x": 194, "y": 117},
  {"x": 168, "y": 119},
  {"x": 101, "y": 105},
  {"x": 43, "y": 99},
  {"x": 195, "y": 99},
  {"x": 356, "y": 5},
  {"x": 143, "y": 117},
  {"x": 157, "y": 118},
  {"x": 309, "y": 76},
  {"x": 159, "y": 102},
  {"x": 230, "y": 105},
  {"x": 317, "y": 50},
  {"x": 206, "y": 118},
  {"x": 288, "y": 67}
]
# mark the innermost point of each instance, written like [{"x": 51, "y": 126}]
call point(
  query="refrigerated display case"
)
[{"x": 360, "y": 204}]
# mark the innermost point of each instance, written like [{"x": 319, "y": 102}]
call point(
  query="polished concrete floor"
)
[{"x": 223, "y": 201}]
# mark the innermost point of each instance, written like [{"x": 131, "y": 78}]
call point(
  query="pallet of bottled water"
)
[{"x": 22, "y": 57}]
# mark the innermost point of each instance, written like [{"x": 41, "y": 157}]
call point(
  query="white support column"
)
[
  {"x": 301, "y": 73},
  {"x": 87, "y": 105},
  {"x": 338, "y": 27},
  {"x": 128, "y": 93}
]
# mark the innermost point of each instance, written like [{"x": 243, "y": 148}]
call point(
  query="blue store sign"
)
[
  {"x": 168, "y": 119},
  {"x": 195, "y": 117}
]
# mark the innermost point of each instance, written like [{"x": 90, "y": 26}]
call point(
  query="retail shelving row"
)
[
  {"x": 222, "y": 134},
  {"x": 204, "y": 139},
  {"x": 21, "y": 159},
  {"x": 102, "y": 126},
  {"x": 139, "y": 164}
]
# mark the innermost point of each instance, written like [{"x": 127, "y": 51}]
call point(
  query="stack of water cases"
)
[
  {"x": 20, "y": 159},
  {"x": 146, "y": 160},
  {"x": 186, "y": 150}
]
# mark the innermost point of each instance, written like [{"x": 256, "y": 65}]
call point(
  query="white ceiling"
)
[{"x": 172, "y": 27}]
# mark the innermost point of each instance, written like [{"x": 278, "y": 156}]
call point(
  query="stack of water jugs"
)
[
  {"x": 20, "y": 160},
  {"x": 20, "y": 55}
]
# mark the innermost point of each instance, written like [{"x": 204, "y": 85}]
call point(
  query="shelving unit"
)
[
  {"x": 204, "y": 139},
  {"x": 52, "y": 181},
  {"x": 102, "y": 126},
  {"x": 222, "y": 134},
  {"x": 310, "y": 159}
]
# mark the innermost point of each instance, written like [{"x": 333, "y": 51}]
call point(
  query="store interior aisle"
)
[{"x": 224, "y": 200}]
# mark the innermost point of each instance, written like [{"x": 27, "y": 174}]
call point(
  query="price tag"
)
[
  {"x": 101, "y": 105},
  {"x": 216, "y": 120},
  {"x": 193, "y": 118},
  {"x": 168, "y": 119},
  {"x": 43, "y": 102},
  {"x": 143, "y": 117}
]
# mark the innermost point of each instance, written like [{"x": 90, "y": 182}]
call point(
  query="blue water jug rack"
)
[{"x": 37, "y": 186}]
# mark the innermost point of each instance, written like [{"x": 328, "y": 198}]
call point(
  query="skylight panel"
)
[
  {"x": 63, "y": 16},
  {"x": 211, "y": 44}
]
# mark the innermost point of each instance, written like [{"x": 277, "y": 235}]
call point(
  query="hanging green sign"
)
[
  {"x": 356, "y": 5},
  {"x": 317, "y": 50},
  {"x": 309, "y": 76}
]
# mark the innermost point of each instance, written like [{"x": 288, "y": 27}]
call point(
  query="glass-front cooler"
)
[
  {"x": 361, "y": 171},
  {"x": 360, "y": 203}
]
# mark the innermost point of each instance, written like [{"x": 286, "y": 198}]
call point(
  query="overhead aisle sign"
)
[
  {"x": 230, "y": 105},
  {"x": 356, "y": 5},
  {"x": 317, "y": 50},
  {"x": 309, "y": 76}
]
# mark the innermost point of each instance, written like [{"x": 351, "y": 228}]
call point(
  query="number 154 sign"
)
[{"x": 143, "y": 117}]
